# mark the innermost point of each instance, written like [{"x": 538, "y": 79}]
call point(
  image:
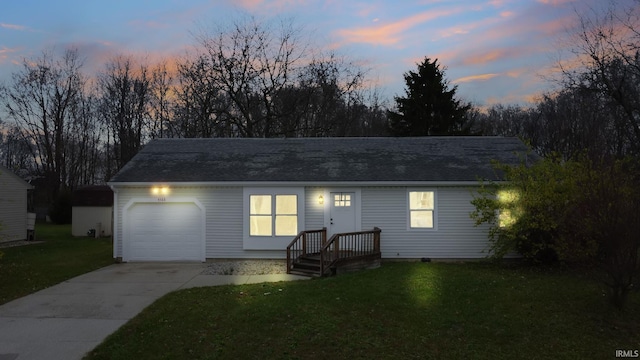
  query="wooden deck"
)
[{"x": 311, "y": 254}]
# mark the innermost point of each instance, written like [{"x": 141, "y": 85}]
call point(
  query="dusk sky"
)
[{"x": 496, "y": 51}]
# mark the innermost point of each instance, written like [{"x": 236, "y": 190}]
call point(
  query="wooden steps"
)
[
  {"x": 343, "y": 252},
  {"x": 307, "y": 265}
]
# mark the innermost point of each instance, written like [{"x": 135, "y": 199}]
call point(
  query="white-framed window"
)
[
  {"x": 422, "y": 209},
  {"x": 286, "y": 215},
  {"x": 260, "y": 215},
  {"x": 271, "y": 215},
  {"x": 341, "y": 200}
]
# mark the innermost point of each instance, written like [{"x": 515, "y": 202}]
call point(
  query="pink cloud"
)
[
  {"x": 250, "y": 4},
  {"x": 390, "y": 33},
  {"x": 498, "y": 39},
  {"x": 454, "y": 31},
  {"x": 497, "y": 3},
  {"x": 254, "y": 5},
  {"x": 13, "y": 27},
  {"x": 513, "y": 99},
  {"x": 367, "y": 10},
  {"x": 99, "y": 53},
  {"x": 484, "y": 57},
  {"x": 468, "y": 27},
  {"x": 479, "y": 57},
  {"x": 488, "y": 76},
  {"x": 560, "y": 25},
  {"x": 555, "y": 2},
  {"x": 481, "y": 77},
  {"x": 5, "y": 54}
]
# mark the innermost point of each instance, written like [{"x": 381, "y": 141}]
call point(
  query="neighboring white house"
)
[
  {"x": 196, "y": 199},
  {"x": 13, "y": 206},
  {"x": 91, "y": 209}
]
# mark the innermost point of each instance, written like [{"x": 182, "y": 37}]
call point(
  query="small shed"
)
[
  {"x": 92, "y": 210},
  {"x": 14, "y": 222}
]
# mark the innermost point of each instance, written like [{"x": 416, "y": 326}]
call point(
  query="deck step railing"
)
[
  {"x": 306, "y": 242},
  {"x": 349, "y": 246},
  {"x": 310, "y": 252}
]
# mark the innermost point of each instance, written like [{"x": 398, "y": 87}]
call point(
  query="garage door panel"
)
[{"x": 165, "y": 231}]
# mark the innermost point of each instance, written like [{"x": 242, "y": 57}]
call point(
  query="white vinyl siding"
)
[
  {"x": 314, "y": 211},
  {"x": 456, "y": 236},
  {"x": 224, "y": 220},
  {"x": 384, "y": 207},
  {"x": 13, "y": 207}
]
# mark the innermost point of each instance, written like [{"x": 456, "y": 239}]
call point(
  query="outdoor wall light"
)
[
  {"x": 320, "y": 199},
  {"x": 157, "y": 190}
]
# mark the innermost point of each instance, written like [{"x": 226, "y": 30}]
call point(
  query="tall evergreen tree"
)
[{"x": 429, "y": 106}]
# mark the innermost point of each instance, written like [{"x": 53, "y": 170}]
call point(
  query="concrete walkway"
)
[{"x": 68, "y": 320}]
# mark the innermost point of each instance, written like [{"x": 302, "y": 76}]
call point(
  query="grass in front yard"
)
[
  {"x": 399, "y": 311},
  {"x": 29, "y": 268}
]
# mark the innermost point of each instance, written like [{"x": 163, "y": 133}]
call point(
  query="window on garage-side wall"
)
[{"x": 421, "y": 209}]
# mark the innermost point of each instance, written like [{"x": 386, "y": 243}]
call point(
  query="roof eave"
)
[{"x": 296, "y": 183}]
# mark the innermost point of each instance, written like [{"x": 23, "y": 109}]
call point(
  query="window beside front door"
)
[
  {"x": 286, "y": 215},
  {"x": 273, "y": 214},
  {"x": 421, "y": 209}
]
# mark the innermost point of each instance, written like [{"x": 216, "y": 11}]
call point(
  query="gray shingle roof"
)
[{"x": 434, "y": 159}]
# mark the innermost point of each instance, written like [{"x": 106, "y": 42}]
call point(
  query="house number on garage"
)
[{"x": 162, "y": 199}]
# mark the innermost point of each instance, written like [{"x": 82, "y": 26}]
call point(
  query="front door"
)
[{"x": 342, "y": 212}]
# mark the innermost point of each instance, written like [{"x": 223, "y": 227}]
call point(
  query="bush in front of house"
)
[
  {"x": 60, "y": 210},
  {"x": 578, "y": 212}
]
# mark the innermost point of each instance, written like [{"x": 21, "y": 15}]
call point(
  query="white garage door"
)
[{"x": 164, "y": 232}]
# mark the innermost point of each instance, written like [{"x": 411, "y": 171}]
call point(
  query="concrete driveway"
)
[{"x": 68, "y": 320}]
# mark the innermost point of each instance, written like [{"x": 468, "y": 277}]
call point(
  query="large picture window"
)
[
  {"x": 273, "y": 214},
  {"x": 421, "y": 209}
]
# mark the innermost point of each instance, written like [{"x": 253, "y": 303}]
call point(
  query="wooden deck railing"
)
[
  {"x": 349, "y": 246},
  {"x": 307, "y": 242}
]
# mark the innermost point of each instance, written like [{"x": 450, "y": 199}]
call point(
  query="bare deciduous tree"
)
[
  {"x": 250, "y": 63},
  {"x": 199, "y": 102},
  {"x": 15, "y": 149},
  {"x": 162, "y": 100},
  {"x": 41, "y": 99},
  {"x": 125, "y": 91},
  {"x": 606, "y": 47},
  {"x": 262, "y": 79}
]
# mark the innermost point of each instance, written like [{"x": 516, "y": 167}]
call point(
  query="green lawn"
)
[
  {"x": 29, "y": 268},
  {"x": 399, "y": 311}
]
